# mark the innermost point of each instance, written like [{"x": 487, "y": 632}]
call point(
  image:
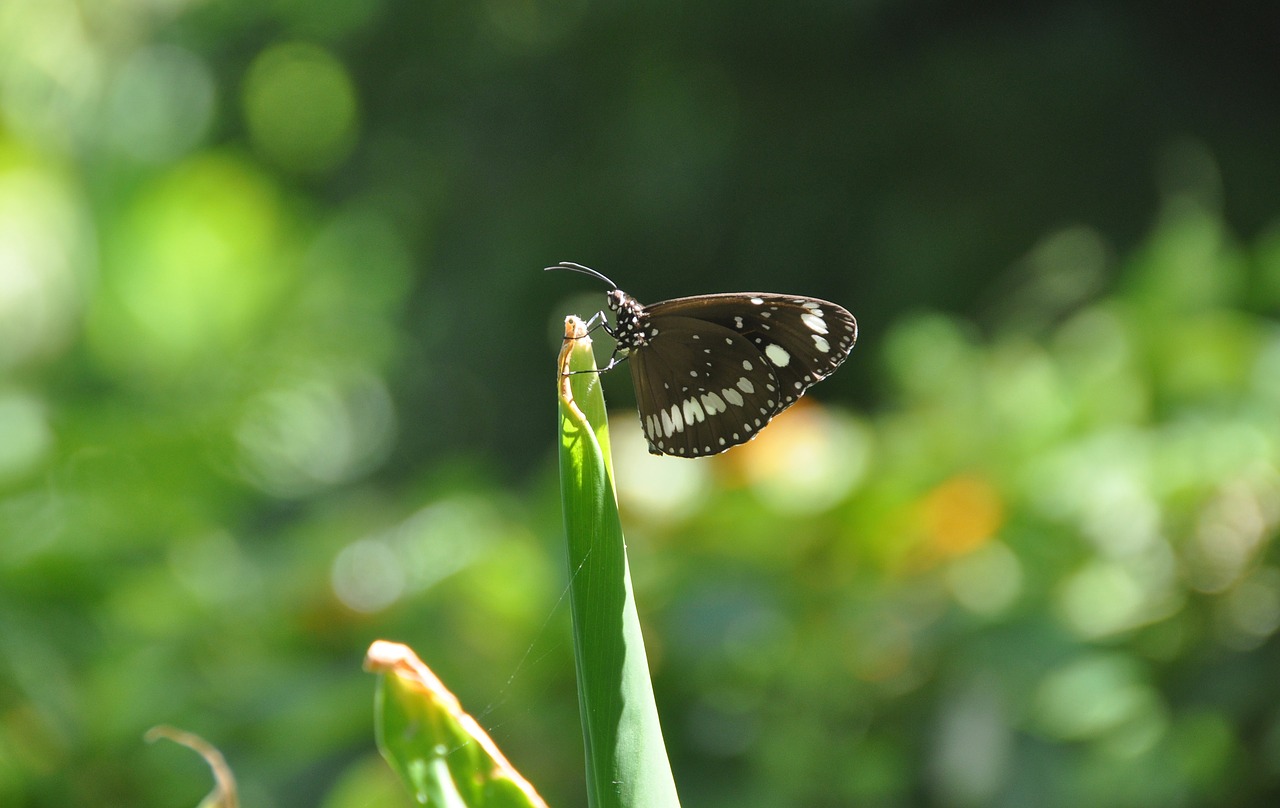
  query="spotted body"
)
[{"x": 711, "y": 371}]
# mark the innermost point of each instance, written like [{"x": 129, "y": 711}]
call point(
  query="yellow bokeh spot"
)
[
  {"x": 960, "y": 515},
  {"x": 806, "y": 460},
  {"x": 300, "y": 107}
]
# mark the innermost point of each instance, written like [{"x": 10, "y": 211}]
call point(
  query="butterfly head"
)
[{"x": 632, "y": 320}]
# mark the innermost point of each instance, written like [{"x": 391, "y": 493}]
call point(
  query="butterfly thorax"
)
[{"x": 632, "y": 327}]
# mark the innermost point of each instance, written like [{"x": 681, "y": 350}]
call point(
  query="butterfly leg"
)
[
  {"x": 598, "y": 321},
  {"x": 614, "y": 361}
]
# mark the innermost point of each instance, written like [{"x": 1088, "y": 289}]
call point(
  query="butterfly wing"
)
[
  {"x": 701, "y": 387},
  {"x": 804, "y": 339}
]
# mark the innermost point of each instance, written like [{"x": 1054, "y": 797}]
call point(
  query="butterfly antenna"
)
[{"x": 572, "y": 267}]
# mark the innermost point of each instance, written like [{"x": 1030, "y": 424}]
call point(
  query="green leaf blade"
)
[
  {"x": 444, "y": 757},
  {"x": 627, "y": 765}
]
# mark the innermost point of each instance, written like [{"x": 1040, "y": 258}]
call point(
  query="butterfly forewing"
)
[{"x": 804, "y": 338}]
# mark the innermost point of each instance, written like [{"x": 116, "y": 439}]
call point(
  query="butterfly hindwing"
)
[{"x": 701, "y": 388}]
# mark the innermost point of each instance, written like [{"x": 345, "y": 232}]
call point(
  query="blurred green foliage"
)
[{"x": 276, "y": 379}]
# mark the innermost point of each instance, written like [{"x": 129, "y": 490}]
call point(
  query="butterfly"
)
[{"x": 710, "y": 371}]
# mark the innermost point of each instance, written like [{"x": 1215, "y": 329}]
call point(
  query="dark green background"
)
[{"x": 276, "y": 359}]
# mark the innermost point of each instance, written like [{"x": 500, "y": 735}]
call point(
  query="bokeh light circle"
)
[{"x": 300, "y": 107}]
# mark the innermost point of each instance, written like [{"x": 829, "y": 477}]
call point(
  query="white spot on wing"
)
[
  {"x": 693, "y": 410},
  {"x": 777, "y": 355},
  {"x": 821, "y": 343},
  {"x": 755, "y": 301},
  {"x": 667, "y": 426},
  {"x": 745, "y": 385},
  {"x": 816, "y": 324},
  {"x": 733, "y": 396},
  {"x": 713, "y": 403}
]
